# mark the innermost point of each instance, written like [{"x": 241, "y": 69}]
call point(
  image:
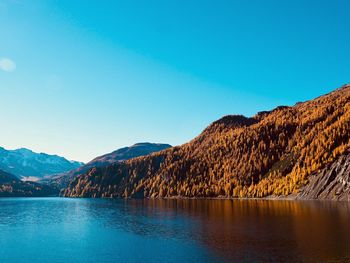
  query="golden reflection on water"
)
[{"x": 262, "y": 230}]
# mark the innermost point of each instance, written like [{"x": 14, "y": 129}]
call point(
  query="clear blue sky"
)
[{"x": 82, "y": 78}]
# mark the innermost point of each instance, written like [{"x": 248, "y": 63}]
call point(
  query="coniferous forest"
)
[{"x": 274, "y": 153}]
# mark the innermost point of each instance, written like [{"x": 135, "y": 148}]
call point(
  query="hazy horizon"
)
[{"x": 81, "y": 80}]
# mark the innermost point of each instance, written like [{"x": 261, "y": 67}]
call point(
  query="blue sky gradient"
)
[{"x": 93, "y": 76}]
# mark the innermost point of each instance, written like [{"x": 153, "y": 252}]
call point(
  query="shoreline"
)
[{"x": 268, "y": 198}]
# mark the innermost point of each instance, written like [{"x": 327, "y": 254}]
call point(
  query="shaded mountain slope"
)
[
  {"x": 136, "y": 150},
  {"x": 27, "y": 164},
  {"x": 274, "y": 153},
  {"x": 11, "y": 186},
  {"x": 7, "y": 177}
]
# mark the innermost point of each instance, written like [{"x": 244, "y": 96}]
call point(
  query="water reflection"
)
[
  {"x": 247, "y": 230},
  {"x": 231, "y": 230}
]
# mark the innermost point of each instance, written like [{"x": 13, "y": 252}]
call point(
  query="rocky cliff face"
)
[{"x": 332, "y": 182}]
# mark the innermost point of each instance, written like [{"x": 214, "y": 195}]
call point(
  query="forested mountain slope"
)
[
  {"x": 125, "y": 153},
  {"x": 11, "y": 186},
  {"x": 273, "y": 153}
]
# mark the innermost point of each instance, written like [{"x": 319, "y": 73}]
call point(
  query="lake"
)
[{"x": 103, "y": 230}]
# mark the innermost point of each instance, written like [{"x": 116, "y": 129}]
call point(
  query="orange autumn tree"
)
[{"x": 271, "y": 153}]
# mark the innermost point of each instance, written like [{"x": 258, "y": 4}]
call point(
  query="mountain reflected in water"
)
[{"x": 90, "y": 230}]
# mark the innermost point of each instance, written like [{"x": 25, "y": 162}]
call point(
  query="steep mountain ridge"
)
[
  {"x": 28, "y": 165},
  {"x": 274, "y": 153}
]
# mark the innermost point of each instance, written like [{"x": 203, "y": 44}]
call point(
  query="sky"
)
[{"x": 83, "y": 78}]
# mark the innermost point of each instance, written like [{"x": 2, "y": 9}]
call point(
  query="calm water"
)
[{"x": 88, "y": 230}]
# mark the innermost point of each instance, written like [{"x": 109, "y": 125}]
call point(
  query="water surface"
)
[{"x": 100, "y": 230}]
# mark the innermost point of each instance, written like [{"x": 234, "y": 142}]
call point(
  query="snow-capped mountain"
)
[{"x": 28, "y": 165}]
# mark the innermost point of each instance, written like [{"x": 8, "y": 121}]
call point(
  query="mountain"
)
[
  {"x": 28, "y": 165},
  {"x": 7, "y": 178},
  {"x": 288, "y": 151},
  {"x": 136, "y": 150},
  {"x": 11, "y": 186}
]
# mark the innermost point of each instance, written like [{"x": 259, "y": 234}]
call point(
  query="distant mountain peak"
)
[
  {"x": 26, "y": 163},
  {"x": 24, "y": 150}
]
